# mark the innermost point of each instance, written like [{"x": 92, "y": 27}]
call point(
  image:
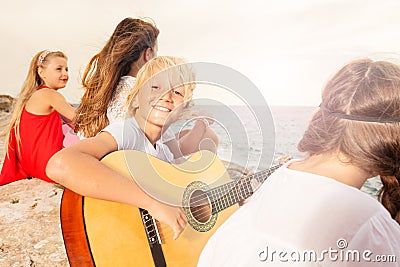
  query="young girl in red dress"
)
[{"x": 35, "y": 130}]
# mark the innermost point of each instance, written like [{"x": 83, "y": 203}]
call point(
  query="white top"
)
[
  {"x": 295, "y": 213},
  {"x": 117, "y": 107},
  {"x": 129, "y": 136}
]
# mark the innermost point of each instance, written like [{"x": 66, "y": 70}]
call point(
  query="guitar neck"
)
[{"x": 226, "y": 195}]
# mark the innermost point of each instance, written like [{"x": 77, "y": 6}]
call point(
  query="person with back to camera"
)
[
  {"x": 79, "y": 168},
  {"x": 35, "y": 130},
  {"x": 111, "y": 75},
  {"x": 310, "y": 212}
]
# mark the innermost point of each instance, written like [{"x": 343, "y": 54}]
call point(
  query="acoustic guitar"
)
[{"x": 104, "y": 233}]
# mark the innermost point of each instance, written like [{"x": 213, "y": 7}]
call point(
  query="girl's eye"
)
[{"x": 155, "y": 87}]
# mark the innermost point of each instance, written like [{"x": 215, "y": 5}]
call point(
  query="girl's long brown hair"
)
[
  {"x": 367, "y": 89},
  {"x": 130, "y": 38}
]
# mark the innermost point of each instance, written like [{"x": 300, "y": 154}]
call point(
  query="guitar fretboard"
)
[{"x": 233, "y": 192}]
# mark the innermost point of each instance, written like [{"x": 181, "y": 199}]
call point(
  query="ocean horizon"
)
[{"x": 242, "y": 141}]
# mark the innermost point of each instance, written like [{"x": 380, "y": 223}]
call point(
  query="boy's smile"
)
[{"x": 156, "y": 102}]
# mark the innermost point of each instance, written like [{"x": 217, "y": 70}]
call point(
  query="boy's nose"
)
[{"x": 167, "y": 96}]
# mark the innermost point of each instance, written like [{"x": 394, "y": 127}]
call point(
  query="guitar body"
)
[{"x": 104, "y": 233}]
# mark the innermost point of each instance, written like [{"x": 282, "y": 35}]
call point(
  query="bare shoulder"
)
[
  {"x": 40, "y": 101},
  {"x": 45, "y": 95},
  {"x": 46, "y": 92}
]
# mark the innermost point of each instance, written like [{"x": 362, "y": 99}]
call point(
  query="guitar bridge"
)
[
  {"x": 153, "y": 237},
  {"x": 150, "y": 227}
]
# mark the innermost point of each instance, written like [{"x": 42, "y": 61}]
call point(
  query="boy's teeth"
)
[{"x": 161, "y": 108}]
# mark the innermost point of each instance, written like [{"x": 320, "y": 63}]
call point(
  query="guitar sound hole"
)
[{"x": 200, "y": 207}]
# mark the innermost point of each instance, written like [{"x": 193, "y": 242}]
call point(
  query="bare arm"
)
[
  {"x": 79, "y": 169},
  {"x": 58, "y": 102},
  {"x": 44, "y": 101},
  {"x": 190, "y": 141}
]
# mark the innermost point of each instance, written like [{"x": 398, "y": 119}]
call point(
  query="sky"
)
[{"x": 288, "y": 49}]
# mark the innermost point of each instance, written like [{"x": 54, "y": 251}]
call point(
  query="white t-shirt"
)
[
  {"x": 295, "y": 214},
  {"x": 129, "y": 136}
]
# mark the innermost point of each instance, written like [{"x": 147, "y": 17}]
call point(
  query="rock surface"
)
[
  {"x": 30, "y": 233},
  {"x": 6, "y": 103}
]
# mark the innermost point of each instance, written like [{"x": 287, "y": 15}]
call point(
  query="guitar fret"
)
[
  {"x": 247, "y": 191},
  {"x": 231, "y": 198},
  {"x": 228, "y": 199},
  {"x": 236, "y": 196},
  {"x": 214, "y": 196},
  {"x": 242, "y": 188},
  {"x": 216, "y": 199},
  {"x": 223, "y": 198},
  {"x": 233, "y": 192}
]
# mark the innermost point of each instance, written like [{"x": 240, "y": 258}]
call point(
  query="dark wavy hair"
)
[{"x": 130, "y": 38}]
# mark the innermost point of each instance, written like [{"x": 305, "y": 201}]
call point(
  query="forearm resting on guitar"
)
[{"x": 79, "y": 169}]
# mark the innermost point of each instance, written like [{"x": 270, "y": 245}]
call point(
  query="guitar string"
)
[
  {"x": 263, "y": 174},
  {"x": 166, "y": 233},
  {"x": 200, "y": 215},
  {"x": 222, "y": 203},
  {"x": 222, "y": 200},
  {"x": 225, "y": 191}
]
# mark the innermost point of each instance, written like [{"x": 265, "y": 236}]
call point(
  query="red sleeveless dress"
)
[{"x": 41, "y": 137}]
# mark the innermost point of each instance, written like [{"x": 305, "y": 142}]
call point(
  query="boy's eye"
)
[
  {"x": 178, "y": 93},
  {"x": 155, "y": 87}
]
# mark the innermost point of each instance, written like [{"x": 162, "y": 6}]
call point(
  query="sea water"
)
[
  {"x": 290, "y": 124},
  {"x": 255, "y": 137}
]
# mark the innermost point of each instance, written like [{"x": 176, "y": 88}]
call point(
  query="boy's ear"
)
[
  {"x": 133, "y": 106},
  {"x": 134, "y": 102}
]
